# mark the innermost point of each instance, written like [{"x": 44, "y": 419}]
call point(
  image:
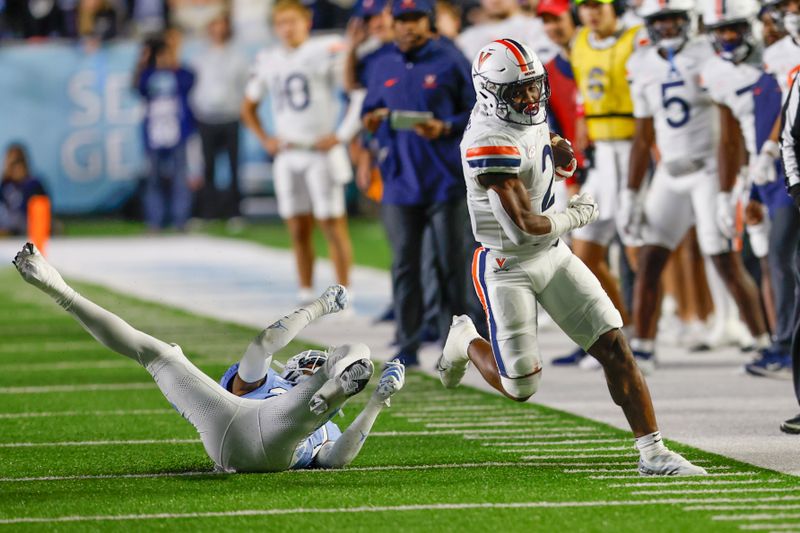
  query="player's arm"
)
[
  {"x": 731, "y": 149},
  {"x": 790, "y": 137},
  {"x": 511, "y": 207},
  {"x": 255, "y": 90},
  {"x": 341, "y": 452},
  {"x": 643, "y": 139}
]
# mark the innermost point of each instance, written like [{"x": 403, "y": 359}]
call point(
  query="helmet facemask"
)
[
  {"x": 303, "y": 365},
  {"x": 735, "y": 50},
  {"x": 522, "y": 102},
  {"x": 669, "y": 30}
]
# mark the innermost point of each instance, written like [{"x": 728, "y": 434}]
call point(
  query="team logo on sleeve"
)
[{"x": 430, "y": 81}]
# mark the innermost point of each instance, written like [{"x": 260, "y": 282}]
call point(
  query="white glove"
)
[
  {"x": 763, "y": 169},
  {"x": 725, "y": 215},
  {"x": 630, "y": 217},
  {"x": 582, "y": 210},
  {"x": 759, "y": 238},
  {"x": 563, "y": 173}
]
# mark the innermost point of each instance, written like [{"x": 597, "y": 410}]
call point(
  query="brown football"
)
[{"x": 562, "y": 151}]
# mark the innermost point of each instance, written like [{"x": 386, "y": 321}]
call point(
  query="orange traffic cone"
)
[{"x": 39, "y": 221}]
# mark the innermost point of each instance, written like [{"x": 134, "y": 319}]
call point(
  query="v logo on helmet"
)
[{"x": 483, "y": 57}]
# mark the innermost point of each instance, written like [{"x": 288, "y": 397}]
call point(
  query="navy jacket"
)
[
  {"x": 168, "y": 120},
  {"x": 436, "y": 78}
]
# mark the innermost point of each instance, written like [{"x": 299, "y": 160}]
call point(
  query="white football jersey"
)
[
  {"x": 782, "y": 59},
  {"x": 731, "y": 85},
  {"x": 491, "y": 146},
  {"x": 301, "y": 84},
  {"x": 521, "y": 28},
  {"x": 670, "y": 92}
]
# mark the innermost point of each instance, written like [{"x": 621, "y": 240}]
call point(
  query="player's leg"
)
[
  {"x": 256, "y": 359},
  {"x": 198, "y": 398},
  {"x": 343, "y": 450},
  {"x": 327, "y": 199},
  {"x": 154, "y": 204},
  {"x": 728, "y": 264},
  {"x": 668, "y": 216},
  {"x": 509, "y": 360},
  {"x": 181, "y": 196},
  {"x": 447, "y": 223},
  {"x": 294, "y": 207},
  {"x": 577, "y": 303}
]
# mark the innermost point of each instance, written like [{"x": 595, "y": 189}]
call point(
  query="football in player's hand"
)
[{"x": 562, "y": 151}]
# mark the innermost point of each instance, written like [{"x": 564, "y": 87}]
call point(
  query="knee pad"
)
[{"x": 522, "y": 388}]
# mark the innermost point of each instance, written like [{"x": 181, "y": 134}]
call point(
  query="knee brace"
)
[{"x": 524, "y": 387}]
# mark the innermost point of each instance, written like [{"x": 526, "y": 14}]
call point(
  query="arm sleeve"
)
[
  {"x": 351, "y": 123},
  {"x": 373, "y": 99},
  {"x": 492, "y": 154},
  {"x": 789, "y": 135},
  {"x": 342, "y": 451},
  {"x": 641, "y": 107}
]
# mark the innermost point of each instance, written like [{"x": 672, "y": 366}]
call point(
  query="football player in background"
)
[
  {"x": 508, "y": 161},
  {"x": 311, "y": 164},
  {"x": 673, "y": 111},
  {"x": 254, "y": 420},
  {"x": 598, "y": 57},
  {"x": 749, "y": 102}
]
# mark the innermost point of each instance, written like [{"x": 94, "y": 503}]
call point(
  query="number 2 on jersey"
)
[
  {"x": 674, "y": 102},
  {"x": 549, "y": 198}
]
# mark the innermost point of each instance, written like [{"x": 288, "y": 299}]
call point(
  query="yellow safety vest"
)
[{"x": 602, "y": 80}]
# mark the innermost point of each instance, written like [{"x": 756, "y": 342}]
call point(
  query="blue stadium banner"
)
[{"x": 79, "y": 118}]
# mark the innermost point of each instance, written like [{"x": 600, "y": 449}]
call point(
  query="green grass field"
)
[{"x": 87, "y": 442}]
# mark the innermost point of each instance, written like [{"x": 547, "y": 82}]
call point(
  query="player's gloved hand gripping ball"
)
[{"x": 563, "y": 158}]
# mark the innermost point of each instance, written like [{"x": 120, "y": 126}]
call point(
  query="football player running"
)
[
  {"x": 673, "y": 111},
  {"x": 736, "y": 82},
  {"x": 508, "y": 163},
  {"x": 254, "y": 420}
]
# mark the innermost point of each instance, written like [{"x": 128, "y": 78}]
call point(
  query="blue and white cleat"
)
[
  {"x": 392, "y": 380},
  {"x": 669, "y": 463},
  {"x": 454, "y": 361},
  {"x": 771, "y": 365}
]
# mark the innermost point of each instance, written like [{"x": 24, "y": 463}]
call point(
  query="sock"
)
[
  {"x": 643, "y": 345},
  {"x": 763, "y": 341},
  {"x": 650, "y": 445}
]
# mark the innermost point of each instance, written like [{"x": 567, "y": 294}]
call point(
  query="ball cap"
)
[
  {"x": 405, "y": 7},
  {"x": 552, "y": 7},
  {"x": 369, "y": 8}
]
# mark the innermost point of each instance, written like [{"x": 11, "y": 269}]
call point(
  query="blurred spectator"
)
[
  {"x": 193, "y": 16},
  {"x": 448, "y": 19},
  {"x": 16, "y": 188},
  {"x": 421, "y": 164},
  {"x": 168, "y": 122},
  {"x": 216, "y": 99},
  {"x": 97, "y": 19},
  {"x": 148, "y": 16},
  {"x": 35, "y": 18},
  {"x": 251, "y": 18},
  {"x": 505, "y": 20}
]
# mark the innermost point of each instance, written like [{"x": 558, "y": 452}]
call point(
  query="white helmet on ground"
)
[
  {"x": 303, "y": 365},
  {"x": 511, "y": 82},
  {"x": 738, "y": 15},
  {"x": 654, "y": 11}
]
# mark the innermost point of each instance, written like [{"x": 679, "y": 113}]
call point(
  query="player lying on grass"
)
[
  {"x": 257, "y": 420},
  {"x": 509, "y": 167}
]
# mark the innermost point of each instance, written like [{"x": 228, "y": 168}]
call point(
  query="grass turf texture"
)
[
  {"x": 370, "y": 247},
  {"x": 42, "y": 347}
]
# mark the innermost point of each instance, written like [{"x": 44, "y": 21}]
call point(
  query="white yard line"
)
[
  {"x": 710, "y": 474},
  {"x": 96, "y": 443},
  {"x": 116, "y": 412},
  {"x": 361, "y": 509},
  {"x": 104, "y": 476},
  {"x": 628, "y": 455},
  {"x": 89, "y": 387},
  {"x": 771, "y": 527},
  {"x": 467, "y": 433},
  {"x": 65, "y": 365},
  {"x": 477, "y": 424},
  {"x": 762, "y": 516},
  {"x": 744, "y": 507},
  {"x": 713, "y": 491},
  {"x": 666, "y": 483},
  {"x": 544, "y": 438},
  {"x": 532, "y": 439},
  {"x": 568, "y": 451}
]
